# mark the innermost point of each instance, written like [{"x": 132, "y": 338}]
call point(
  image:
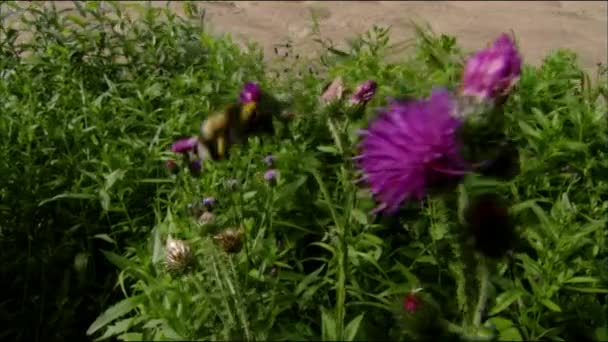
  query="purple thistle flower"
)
[
  {"x": 208, "y": 201},
  {"x": 251, "y": 93},
  {"x": 271, "y": 175},
  {"x": 411, "y": 146},
  {"x": 490, "y": 73},
  {"x": 269, "y": 160},
  {"x": 364, "y": 92},
  {"x": 184, "y": 145}
]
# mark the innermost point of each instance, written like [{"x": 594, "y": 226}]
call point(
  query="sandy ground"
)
[{"x": 540, "y": 26}]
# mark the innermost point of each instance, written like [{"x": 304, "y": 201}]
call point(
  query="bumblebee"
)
[{"x": 232, "y": 126}]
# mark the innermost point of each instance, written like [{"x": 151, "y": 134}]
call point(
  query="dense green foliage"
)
[{"x": 90, "y": 104}]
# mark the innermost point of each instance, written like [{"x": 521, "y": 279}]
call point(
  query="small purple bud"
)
[
  {"x": 364, "y": 92},
  {"x": 271, "y": 175},
  {"x": 269, "y": 160},
  {"x": 171, "y": 166},
  {"x": 208, "y": 202},
  {"x": 184, "y": 145},
  {"x": 251, "y": 93},
  {"x": 196, "y": 166}
]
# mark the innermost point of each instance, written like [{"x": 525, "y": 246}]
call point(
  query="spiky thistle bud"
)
[
  {"x": 178, "y": 255},
  {"x": 230, "y": 239}
]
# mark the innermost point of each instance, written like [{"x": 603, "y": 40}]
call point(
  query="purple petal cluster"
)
[
  {"x": 209, "y": 202},
  {"x": 251, "y": 93},
  {"x": 491, "y": 72},
  {"x": 271, "y": 175},
  {"x": 364, "y": 92},
  {"x": 409, "y": 147},
  {"x": 184, "y": 145}
]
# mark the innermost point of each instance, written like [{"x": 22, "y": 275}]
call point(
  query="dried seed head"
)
[
  {"x": 206, "y": 218},
  {"x": 231, "y": 240},
  {"x": 178, "y": 255}
]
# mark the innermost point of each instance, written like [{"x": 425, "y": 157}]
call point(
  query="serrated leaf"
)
[
  {"x": 350, "y": 332},
  {"x": 505, "y": 299},
  {"x": 114, "y": 312},
  {"x": 117, "y": 328}
]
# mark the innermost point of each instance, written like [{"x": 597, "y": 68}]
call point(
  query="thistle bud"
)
[
  {"x": 251, "y": 92},
  {"x": 171, "y": 166},
  {"x": 178, "y": 255},
  {"x": 195, "y": 167},
  {"x": 492, "y": 72},
  {"x": 271, "y": 176},
  {"x": 364, "y": 93},
  {"x": 411, "y": 302},
  {"x": 230, "y": 239},
  {"x": 333, "y": 91}
]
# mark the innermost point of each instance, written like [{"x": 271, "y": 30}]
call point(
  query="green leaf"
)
[
  {"x": 510, "y": 334},
  {"x": 114, "y": 312},
  {"x": 249, "y": 195},
  {"x": 505, "y": 299},
  {"x": 117, "y": 260},
  {"x": 118, "y": 328},
  {"x": 104, "y": 199},
  {"x": 586, "y": 289},
  {"x": 359, "y": 216},
  {"x": 328, "y": 325},
  {"x": 113, "y": 177},
  {"x": 550, "y": 305},
  {"x": 328, "y": 149},
  {"x": 104, "y": 237},
  {"x": 309, "y": 279},
  {"x": 350, "y": 332},
  {"x": 601, "y": 334},
  {"x": 501, "y": 323},
  {"x": 131, "y": 337},
  {"x": 528, "y": 130},
  {"x": 582, "y": 280},
  {"x": 68, "y": 196}
]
